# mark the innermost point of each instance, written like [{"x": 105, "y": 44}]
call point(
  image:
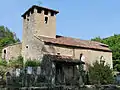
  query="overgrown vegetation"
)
[
  {"x": 114, "y": 45},
  {"x": 7, "y": 37},
  {"x": 32, "y": 63},
  {"x": 3, "y": 68},
  {"x": 99, "y": 73},
  {"x": 16, "y": 63}
]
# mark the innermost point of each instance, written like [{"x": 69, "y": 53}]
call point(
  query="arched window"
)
[
  {"x": 46, "y": 20},
  {"x": 4, "y": 57},
  {"x": 102, "y": 59},
  {"x": 5, "y": 51}
]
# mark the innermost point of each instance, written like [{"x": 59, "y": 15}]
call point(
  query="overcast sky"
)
[{"x": 84, "y": 19}]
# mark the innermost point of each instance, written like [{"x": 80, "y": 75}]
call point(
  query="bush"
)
[
  {"x": 99, "y": 73},
  {"x": 16, "y": 63},
  {"x": 32, "y": 63},
  {"x": 3, "y": 69},
  {"x": 3, "y": 63}
]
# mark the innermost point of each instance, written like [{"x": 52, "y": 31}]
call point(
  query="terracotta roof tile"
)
[
  {"x": 63, "y": 59},
  {"x": 73, "y": 42}
]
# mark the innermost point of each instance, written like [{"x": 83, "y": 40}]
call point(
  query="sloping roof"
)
[
  {"x": 73, "y": 42},
  {"x": 13, "y": 44},
  {"x": 63, "y": 59},
  {"x": 39, "y": 7}
]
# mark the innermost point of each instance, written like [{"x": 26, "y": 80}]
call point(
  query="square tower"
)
[{"x": 39, "y": 21}]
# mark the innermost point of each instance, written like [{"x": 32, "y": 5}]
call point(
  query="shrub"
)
[
  {"x": 99, "y": 73},
  {"x": 32, "y": 63},
  {"x": 3, "y": 63}
]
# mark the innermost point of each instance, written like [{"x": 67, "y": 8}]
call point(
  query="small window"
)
[
  {"x": 102, "y": 58},
  {"x": 5, "y": 54},
  {"x": 32, "y": 11},
  {"x": 39, "y": 11},
  {"x": 46, "y": 20},
  {"x": 28, "y": 14},
  {"x": 46, "y": 12},
  {"x": 27, "y": 46},
  {"x": 52, "y": 14},
  {"x": 58, "y": 53},
  {"x": 27, "y": 19},
  {"x": 4, "y": 51},
  {"x": 24, "y": 17}
]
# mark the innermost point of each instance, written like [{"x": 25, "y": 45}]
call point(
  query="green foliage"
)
[
  {"x": 99, "y": 73},
  {"x": 16, "y": 63},
  {"x": 3, "y": 67},
  {"x": 6, "y": 37},
  {"x": 32, "y": 63},
  {"x": 98, "y": 39},
  {"x": 3, "y": 70},
  {"x": 3, "y": 63},
  {"x": 116, "y": 64}
]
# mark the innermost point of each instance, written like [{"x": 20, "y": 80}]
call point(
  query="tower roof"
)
[{"x": 40, "y": 7}]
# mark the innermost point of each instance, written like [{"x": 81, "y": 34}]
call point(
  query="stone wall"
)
[
  {"x": 28, "y": 34},
  {"x": 12, "y": 51},
  {"x": 90, "y": 55},
  {"x": 45, "y": 29},
  {"x": 33, "y": 49},
  {"x": 63, "y": 50}
]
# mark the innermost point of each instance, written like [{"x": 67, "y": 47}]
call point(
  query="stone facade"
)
[
  {"x": 90, "y": 55},
  {"x": 12, "y": 51},
  {"x": 40, "y": 21}
]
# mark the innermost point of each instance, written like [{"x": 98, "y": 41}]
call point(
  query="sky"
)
[{"x": 84, "y": 19}]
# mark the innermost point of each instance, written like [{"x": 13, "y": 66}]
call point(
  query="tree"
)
[
  {"x": 99, "y": 73},
  {"x": 7, "y": 37}
]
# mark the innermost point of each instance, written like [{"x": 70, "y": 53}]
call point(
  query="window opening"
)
[
  {"x": 46, "y": 12},
  {"x": 24, "y": 17},
  {"x": 32, "y": 11},
  {"x": 46, "y": 20},
  {"x": 28, "y": 14},
  {"x": 52, "y": 13},
  {"x": 39, "y": 11},
  {"x": 27, "y": 46},
  {"x": 5, "y": 54},
  {"x": 27, "y": 19},
  {"x": 102, "y": 60},
  {"x": 58, "y": 53},
  {"x": 4, "y": 51}
]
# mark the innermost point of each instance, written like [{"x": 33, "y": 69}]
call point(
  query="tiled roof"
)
[
  {"x": 63, "y": 59},
  {"x": 73, "y": 42}
]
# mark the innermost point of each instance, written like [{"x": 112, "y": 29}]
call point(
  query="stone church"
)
[{"x": 39, "y": 38}]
